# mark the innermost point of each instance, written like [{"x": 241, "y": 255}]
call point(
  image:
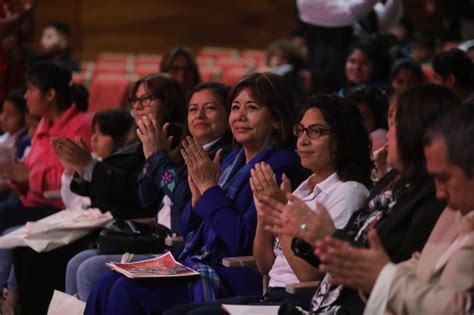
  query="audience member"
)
[
  {"x": 163, "y": 177},
  {"x": 49, "y": 95},
  {"x": 424, "y": 48},
  {"x": 456, "y": 71},
  {"x": 15, "y": 141},
  {"x": 110, "y": 130},
  {"x": 15, "y": 134},
  {"x": 402, "y": 206},
  {"x": 404, "y": 30},
  {"x": 372, "y": 106},
  {"x": 435, "y": 281},
  {"x": 112, "y": 183},
  {"x": 221, "y": 219},
  {"x": 405, "y": 73},
  {"x": 283, "y": 58},
  {"x": 179, "y": 62},
  {"x": 325, "y": 148},
  {"x": 366, "y": 64},
  {"x": 61, "y": 106},
  {"x": 327, "y": 26},
  {"x": 55, "y": 45}
]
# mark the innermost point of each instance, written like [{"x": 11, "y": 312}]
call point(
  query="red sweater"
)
[{"x": 45, "y": 166}]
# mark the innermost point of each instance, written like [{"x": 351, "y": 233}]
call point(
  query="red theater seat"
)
[
  {"x": 108, "y": 91},
  {"x": 113, "y": 57},
  {"x": 230, "y": 76},
  {"x": 216, "y": 52},
  {"x": 209, "y": 74}
]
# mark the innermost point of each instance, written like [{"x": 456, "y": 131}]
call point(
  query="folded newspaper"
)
[
  {"x": 164, "y": 266},
  {"x": 56, "y": 230}
]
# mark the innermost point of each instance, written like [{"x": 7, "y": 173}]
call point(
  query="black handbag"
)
[{"x": 121, "y": 236}]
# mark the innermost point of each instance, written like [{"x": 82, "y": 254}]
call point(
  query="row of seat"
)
[
  {"x": 110, "y": 90},
  {"x": 110, "y": 75}
]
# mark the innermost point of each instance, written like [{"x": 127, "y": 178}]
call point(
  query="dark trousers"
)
[
  {"x": 275, "y": 296},
  {"x": 114, "y": 294},
  {"x": 39, "y": 274},
  {"x": 328, "y": 49}
]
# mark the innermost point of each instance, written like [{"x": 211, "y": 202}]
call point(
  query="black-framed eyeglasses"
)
[
  {"x": 314, "y": 132},
  {"x": 144, "y": 101}
]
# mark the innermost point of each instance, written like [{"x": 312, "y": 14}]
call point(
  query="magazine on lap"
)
[{"x": 164, "y": 266}]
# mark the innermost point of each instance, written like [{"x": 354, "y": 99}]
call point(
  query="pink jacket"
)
[{"x": 45, "y": 166}]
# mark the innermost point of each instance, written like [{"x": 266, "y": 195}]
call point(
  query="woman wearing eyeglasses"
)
[
  {"x": 112, "y": 183},
  {"x": 221, "y": 219},
  {"x": 334, "y": 145}
]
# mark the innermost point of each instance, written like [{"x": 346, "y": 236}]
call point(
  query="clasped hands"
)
[{"x": 203, "y": 173}]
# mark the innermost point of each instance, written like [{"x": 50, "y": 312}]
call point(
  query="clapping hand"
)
[
  {"x": 73, "y": 155},
  {"x": 350, "y": 266},
  {"x": 263, "y": 183},
  {"x": 203, "y": 172},
  {"x": 296, "y": 219},
  {"x": 152, "y": 136}
]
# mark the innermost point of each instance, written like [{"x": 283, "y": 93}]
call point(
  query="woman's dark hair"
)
[
  {"x": 416, "y": 109},
  {"x": 409, "y": 64},
  {"x": 219, "y": 90},
  {"x": 407, "y": 24},
  {"x": 18, "y": 99},
  {"x": 374, "y": 48},
  {"x": 352, "y": 155},
  {"x": 168, "y": 59},
  {"x": 115, "y": 123},
  {"x": 374, "y": 99},
  {"x": 270, "y": 90},
  {"x": 457, "y": 63},
  {"x": 47, "y": 75},
  {"x": 169, "y": 91}
]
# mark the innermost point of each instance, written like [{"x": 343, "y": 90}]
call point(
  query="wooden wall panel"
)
[{"x": 154, "y": 26}]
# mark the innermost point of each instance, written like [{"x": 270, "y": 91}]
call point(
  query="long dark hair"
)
[
  {"x": 269, "y": 90},
  {"x": 457, "y": 63},
  {"x": 47, "y": 75},
  {"x": 374, "y": 49},
  {"x": 417, "y": 108},
  {"x": 168, "y": 59},
  {"x": 352, "y": 156},
  {"x": 375, "y": 101}
]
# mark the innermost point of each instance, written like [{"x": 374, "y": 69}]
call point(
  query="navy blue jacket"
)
[{"x": 234, "y": 221}]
